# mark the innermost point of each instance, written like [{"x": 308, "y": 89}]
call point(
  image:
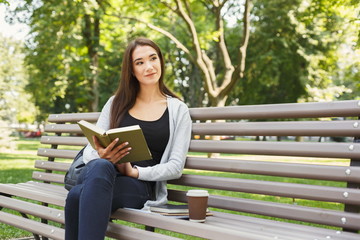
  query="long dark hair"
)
[{"x": 129, "y": 87}]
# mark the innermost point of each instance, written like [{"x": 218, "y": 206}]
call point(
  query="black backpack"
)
[{"x": 74, "y": 171}]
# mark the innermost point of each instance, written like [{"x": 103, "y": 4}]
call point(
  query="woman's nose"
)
[{"x": 149, "y": 66}]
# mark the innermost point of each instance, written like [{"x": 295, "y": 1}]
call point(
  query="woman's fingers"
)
[
  {"x": 112, "y": 144},
  {"x": 112, "y": 153},
  {"x": 120, "y": 154}
]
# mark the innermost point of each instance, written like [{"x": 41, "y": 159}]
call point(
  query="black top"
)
[{"x": 156, "y": 134}]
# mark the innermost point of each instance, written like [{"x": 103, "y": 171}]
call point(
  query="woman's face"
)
[{"x": 146, "y": 65}]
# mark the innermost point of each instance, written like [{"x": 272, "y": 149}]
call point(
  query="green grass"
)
[{"x": 17, "y": 166}]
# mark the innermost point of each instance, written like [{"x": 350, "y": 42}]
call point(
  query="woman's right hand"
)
[{"x": 112, "y": 153}]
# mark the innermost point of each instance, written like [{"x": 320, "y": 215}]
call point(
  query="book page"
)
[{"x": 123, "y": 129}]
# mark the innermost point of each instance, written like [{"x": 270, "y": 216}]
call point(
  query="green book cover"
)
[{"x": 132, "y": 134}]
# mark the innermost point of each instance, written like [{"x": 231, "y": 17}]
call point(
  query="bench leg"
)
[{"x": 36, "y": 237}]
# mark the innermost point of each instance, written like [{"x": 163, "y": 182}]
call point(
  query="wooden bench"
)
[{"x": 259, "y": 189}]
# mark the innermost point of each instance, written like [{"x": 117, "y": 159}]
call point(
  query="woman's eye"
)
[
  {"x": 138, "y": 63},
  {"x": 153, "y": 58}
]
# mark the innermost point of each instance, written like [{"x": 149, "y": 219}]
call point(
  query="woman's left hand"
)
[{"x": 127, "y": 170}]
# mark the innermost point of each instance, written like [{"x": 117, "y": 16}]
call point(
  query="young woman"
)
[{"x": 104, "y": 186}]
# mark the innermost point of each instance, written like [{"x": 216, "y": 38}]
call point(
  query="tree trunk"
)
[{"x": 91, "y": 33}]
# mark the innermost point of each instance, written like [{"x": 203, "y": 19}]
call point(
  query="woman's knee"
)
[
  {"x": 73, "y": 196},
  {"x": 100, "y": 162},
  {"x": 101, "y": 168}
]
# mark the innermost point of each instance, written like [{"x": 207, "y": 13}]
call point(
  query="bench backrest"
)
[{"x": 307, "y": 170}]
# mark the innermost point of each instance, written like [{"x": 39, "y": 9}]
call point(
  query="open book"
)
[{"x": 132, "y": 134}]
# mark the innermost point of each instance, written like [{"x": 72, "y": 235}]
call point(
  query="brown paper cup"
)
[{"x": 197, "y": 201}]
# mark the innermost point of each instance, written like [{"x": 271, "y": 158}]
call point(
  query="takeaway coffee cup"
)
[{"x": 197, "y": 201}]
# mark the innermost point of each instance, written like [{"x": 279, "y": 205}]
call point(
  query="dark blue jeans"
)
[{"x": 100, "y": 190}]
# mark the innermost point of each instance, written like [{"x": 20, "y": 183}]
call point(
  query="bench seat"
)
[
  {"x": 238, "y": 226},
  {"x": 299, "y": 182}
]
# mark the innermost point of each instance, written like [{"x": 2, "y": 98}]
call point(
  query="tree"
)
[
  {"x": 295, "y": 51},
  {"x": 63, "y": 52},
  {"x": 207, "y": 49},
  {"x": 15, "y": 104}
]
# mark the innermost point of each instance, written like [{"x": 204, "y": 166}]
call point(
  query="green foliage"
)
[
  {"x": 15, "y": 103},
  {"x": 74, "y": 50},
  {"x": 294, "y": 54}
]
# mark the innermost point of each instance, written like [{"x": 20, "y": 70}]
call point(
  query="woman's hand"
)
[
  {"x": 112, "y": 153},
  {"x": 127, "y": 170}
]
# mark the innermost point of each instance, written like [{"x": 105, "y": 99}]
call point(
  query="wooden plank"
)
[
  {"x": 62, "y": 128},
  {"x": 33, "y": 194},
  {"x": 32, "y": 226},
  {"x": 186, "y": 227},
  {"x": 281, "y": 169},
  {"x": 300, "y": 149},
  {"x": 280, "y": 210},
  {"x": 274, "y": 231},
  {"x": 119, "y": 231},
  {"x": 280, "y": 128},
  {"x": 274, "y": 111},
  {"x": 48, "y": 177},
  {"x": 73, "y": 117},
  {"x": 57, "y": 153},
  {"x": 54, "y": 166},
  {"x": 60, "y": 140},
  {"x": 41, "y": 191},
  {"x": 280, "y": 229},
  {"x": 281, "y": 189},
  {"x": 37, "y": 210},
  {"x": 51, "y": 188}
]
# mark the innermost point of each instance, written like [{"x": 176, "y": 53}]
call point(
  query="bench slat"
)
[
  {"x": 42, "y": 189},
  {"x": 54, "y": 166},
  {"x": 300, "y": 149},
  {"x": 48, "y": 177},
  {"x": 59, "y": 190},
  {"x": 130, "y": 233},
  {"x": 60, "y": 140},
  {"x": 37, "y": 210},
  {"x": 281, "y": 189},
  {"x": 57, "y": 153},
  {"x": 186, "y": 227},
  {"x": 73, "y": 117},
  {"x": 273, "y": 209},
  {"x": 63, "y": 128},
  {"x": 32, "y": 226},
  {"x": 33, "y": 194},
  {"x": 285, "y": 110},
  {"x": 282, "y": 169},
  {"x": 293, "y": 128},
  {"x": 282, "y": 228},
  {"x": 290, "y": 128}
]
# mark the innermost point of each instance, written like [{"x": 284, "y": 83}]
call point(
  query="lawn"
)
[{"x": 17, "y": 166}]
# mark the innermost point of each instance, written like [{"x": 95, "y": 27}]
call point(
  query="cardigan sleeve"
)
[{"x": 103, "y": 122}]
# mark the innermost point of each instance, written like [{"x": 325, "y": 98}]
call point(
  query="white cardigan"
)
[{"x": 173, "y": 159}]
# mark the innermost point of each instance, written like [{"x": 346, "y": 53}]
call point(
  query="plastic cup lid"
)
[{"x": 197, "y": 193}]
